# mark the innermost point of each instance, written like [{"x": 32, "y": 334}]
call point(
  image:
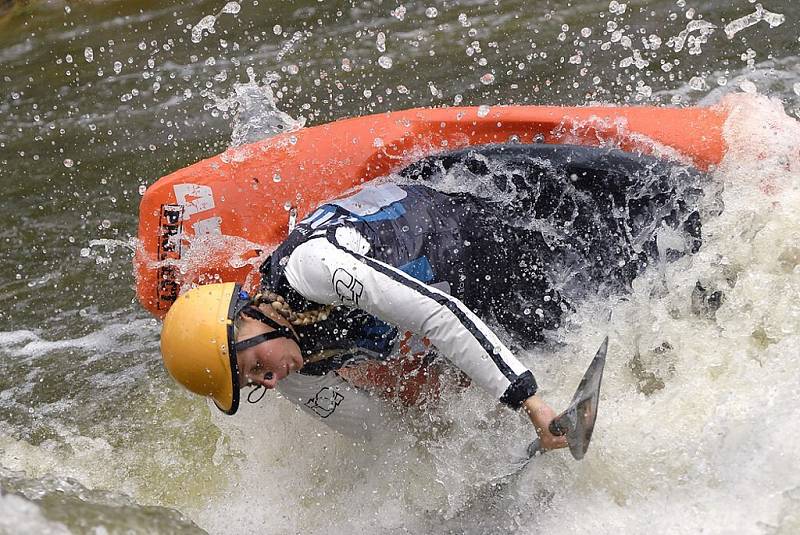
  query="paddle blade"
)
[{"x": 579, "y": 418}]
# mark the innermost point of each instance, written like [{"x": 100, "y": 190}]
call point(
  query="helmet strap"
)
[
  {"x": 279, "y": 332},
  {"x": 256, "y": 398}
]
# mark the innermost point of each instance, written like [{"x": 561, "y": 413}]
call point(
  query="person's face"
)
[{"x": 268, "y": 362}]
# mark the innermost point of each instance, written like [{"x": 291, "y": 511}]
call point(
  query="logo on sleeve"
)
[
  {"x": 348, "y": 288},
  {"x": 325, "y": 401}
]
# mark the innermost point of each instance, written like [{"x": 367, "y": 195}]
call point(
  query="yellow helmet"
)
[{"x": 197, "y": 342}]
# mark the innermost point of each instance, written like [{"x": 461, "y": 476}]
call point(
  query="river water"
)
[{"x": 699, "y": 430}]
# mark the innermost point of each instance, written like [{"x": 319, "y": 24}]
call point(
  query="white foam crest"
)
[
  {"x": 109, "y": 247},
  {"x": 28, "y": 344},
  {"x": 18, "y": 515},
  {"x": 283, "y": 486},
  {"x": 11, "y": 338},
  {"x": 83, "y": 509},
  {"x": 768, "y": 78},
  {"x": 697, "y": 412},
  {"x": 763, "y": 147}
]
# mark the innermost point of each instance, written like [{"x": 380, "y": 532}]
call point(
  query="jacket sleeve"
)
[{"x": 325, "y": 272}]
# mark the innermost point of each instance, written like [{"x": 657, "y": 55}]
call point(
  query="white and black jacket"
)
[{"x": 397, "y": 258}]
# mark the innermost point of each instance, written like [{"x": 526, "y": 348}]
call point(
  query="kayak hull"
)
[{"x": 216, "y": 220}]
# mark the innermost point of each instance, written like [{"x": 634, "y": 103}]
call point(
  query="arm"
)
[{"x": 325, "y": 272}]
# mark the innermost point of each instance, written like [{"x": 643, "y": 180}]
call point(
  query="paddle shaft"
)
[{"x": 555, "y": 428}]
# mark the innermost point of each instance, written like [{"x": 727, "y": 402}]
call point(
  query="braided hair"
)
[{"x": 279, "y": 304}]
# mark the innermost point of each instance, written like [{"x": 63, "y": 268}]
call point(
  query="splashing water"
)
[
  {"x": 703, "y": 28},
  {"x": 686, "y": 391},
  {"x": 254, "y": 111},
  {"x": 207, "y": 23},
  {"x": 773, "y": 19},
  {"x": 109, "y": 247},
  {"x": 46, "y": 506},
  {"x": 697, "y": 430}
]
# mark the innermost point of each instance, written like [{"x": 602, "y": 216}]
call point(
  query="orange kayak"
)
[{"x": 216, "y": 220}]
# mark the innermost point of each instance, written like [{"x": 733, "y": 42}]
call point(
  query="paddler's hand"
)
[{"x": 541, "y": 415}]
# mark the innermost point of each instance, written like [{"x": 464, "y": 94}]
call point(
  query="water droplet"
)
[
  {"x": 292, "y": 69},
  {"x": 277, "y": 30},
  {"x": 276, "y": 177},
  {"x": 142, "y": 189},
  {"x": 796, "y": 89},
  {"x": 232, "y": 8},
  {"x": 385, "y": 62},
  {"x": 616, "y": 7},
  {"x": 431, "y": 12},
  {"x": 117, "y": 67},
  {"x": 206, "y": 23},
  {"x": 380, "y": 42},
  {"x": 483, "y": 110},
  {"x": 403, "y": 90},
  {"x": 347, "y": 65},
  {"x": 487, "y": 78},
  {"x": 68, "y": 162},
  {"x": 586, "y": 32},
  {"x": 399, "y": 13},
  {"x": 644, "y": 91},
  {"x": 748, "y": 87},
  {"x": 88, "y": 53},
  {"x": 85, "y": 252},
  {"x": 142, "y": 46},
  {"x": 698, "y": 83},
  {"x": 105, "y": 223}
]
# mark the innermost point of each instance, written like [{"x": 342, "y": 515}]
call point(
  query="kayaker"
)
[{"x": 510, "y": 234}]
